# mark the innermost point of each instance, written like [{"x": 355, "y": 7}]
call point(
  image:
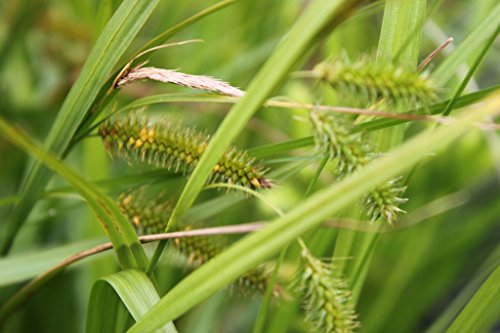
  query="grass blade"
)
[
  {"x": 466, "y": 294},
  {"x": 481, "y": 313},
  {"x": 469, "y": 46},
  {"x": 110, "y": 46},
  {"x": 134, "y": 289}
]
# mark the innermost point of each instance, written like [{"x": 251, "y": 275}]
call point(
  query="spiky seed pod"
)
[
  {"x": 151, "y": 216},
  {"x": 199, "y": 250},
  {"x": 147, "y": 216},
  {"x": 350, "y": 153},
  {"x": 368, "y": 81},
  {"x": 176, "y": 148},
  {"x": 327, "y": 302},
  {"x": 383, "y": 202},
  {"x": 332, "y": 135}
]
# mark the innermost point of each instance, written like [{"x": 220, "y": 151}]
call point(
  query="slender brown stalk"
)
[
  {"x": 433, "y": 54},
  {"x": 30, "y": 288}
]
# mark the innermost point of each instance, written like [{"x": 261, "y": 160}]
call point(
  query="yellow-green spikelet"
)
[
  {"x": 176, "y": 148},
  {"x": 370, "y": 81},
  {"x": 327, "y": 301}
]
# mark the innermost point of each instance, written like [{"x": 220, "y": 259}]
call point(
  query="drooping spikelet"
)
[
  {"x": 365, "y": 82},
  {"x": 327, "y": 301},
  {"x": 332, "y": 136},
  {"x": 350, "y": 153},
  {"x": 151, "y": 216},
  {"x": 176, "y": 148},
  {"x": 199, "y": 250},
  {"x": 383, "y": 202}
]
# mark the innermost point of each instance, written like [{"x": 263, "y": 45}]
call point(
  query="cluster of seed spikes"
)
[
  {"x": 151, "y": 216},
  {"x": 199, "y": 250},
  {"x": 365, "y": 82},
  {"x": 349, "y": 152},
  {"x": 327, "y": 302},
  {"x": 176, "y": 148}
]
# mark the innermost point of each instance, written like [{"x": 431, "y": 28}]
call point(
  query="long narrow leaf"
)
[
  {"x": 467, "y": 47},
  {"x": 481, "y": 313}
]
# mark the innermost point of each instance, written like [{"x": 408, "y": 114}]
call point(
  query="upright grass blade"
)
[
  {"x": 471, "y": 71},
  {"x": 253, "y": 249},
  {"x": 400, "y": 35},
  {"x": 320, "y": 14},
  {"x": 447, "y": 69},
  {"x": 466, "y": 294},
  {"x": 104, "y": 300},
  {"x": 110, "y": 46},
  {"x": 481, "y": 313},
  {"x": 133, "y": 288}
]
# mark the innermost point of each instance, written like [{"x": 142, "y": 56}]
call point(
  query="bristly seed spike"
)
[
  {"x": 151, "y": 216},
  {"x": 176, "y": 148}
]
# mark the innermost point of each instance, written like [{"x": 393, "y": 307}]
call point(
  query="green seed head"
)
[
  {"x": 151, "y": 216},
  {"x": 349, "y": 153},
  {"x": 327, "y": 301},
  {"x": 177, "y": 149},
  {"x": 365, "y": 82}
]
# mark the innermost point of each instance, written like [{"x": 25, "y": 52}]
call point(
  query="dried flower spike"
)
[
  {"x": 327, "y": 302},
  {"x": 176, "y": 148},
  {"x": 201, "y": 82},
  {"x": 369, "y": 82},
  {"x": 151, "y": 216}
]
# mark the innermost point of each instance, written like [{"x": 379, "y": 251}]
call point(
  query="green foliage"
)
[
  {"x": 63, "y": 73},
  {"x": 114, "y": 40}
]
